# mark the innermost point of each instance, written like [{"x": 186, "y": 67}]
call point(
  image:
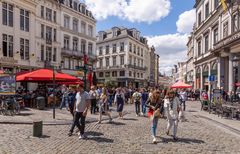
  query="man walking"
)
[
  {"x": 183, "y": 99},
  {"x": 81, "y": 108},
  {"x": 93, "y": 94},
  {"x": 137, "y": 100},
  {"x": 144, "y": 100}
]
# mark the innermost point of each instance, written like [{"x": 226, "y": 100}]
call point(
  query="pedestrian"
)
[
  {"x": 93, "y": 94},
  {"x": 173, "y": 109},
  {"x": 144, "y": 100},
  {"x": 137, "y": 101},
  {"x": 103, "y": 106},
  {"x": 119, "y": 101},
  {"x": 81, "y": 107},
  {"x": 183, "y": 99},
  {"x": 154, "y": 104},
  {"x": 71, "y": 100},
  {"x": 64, "y": 101}
]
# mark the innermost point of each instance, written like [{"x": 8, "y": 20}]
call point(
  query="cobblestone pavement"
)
[{"x": 131, "y": 135}]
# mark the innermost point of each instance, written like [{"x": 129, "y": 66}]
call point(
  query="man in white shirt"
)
[
  {"x": 137, "y": 101},
  {"x": 81, "y": 107},
  {"x": 183, "y": 97}
]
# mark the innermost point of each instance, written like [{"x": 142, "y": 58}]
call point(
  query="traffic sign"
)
[{"x": 211, "y": 78}]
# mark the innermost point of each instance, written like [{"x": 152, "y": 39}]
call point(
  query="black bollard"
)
[{"x": 37, "y": 128}]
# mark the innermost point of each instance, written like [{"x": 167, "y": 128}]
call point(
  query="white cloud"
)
[
  {"x": 185, "y": 21},
  {"x": 171, "y": 48},
  {"x": 132, "y": 10}
]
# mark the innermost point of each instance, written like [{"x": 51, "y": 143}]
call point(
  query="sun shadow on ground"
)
[
  {"x": 116, "y": 123},
  {"x": 130, "y": 119},
  {"x": 182, "y": 140},
  {"x": 96, "y": 136},
  {"x": 24, "y": 114}
]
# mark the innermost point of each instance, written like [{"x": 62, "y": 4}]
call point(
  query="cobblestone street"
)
[{"x": 131, "y": 135}]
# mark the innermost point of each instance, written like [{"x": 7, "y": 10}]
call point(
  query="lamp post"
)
[{"x": 54, "y": 92}]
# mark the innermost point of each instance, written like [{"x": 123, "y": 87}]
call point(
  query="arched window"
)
[
  {"x": 214, "y": 66},
  {"x": 205, "y": 68}
]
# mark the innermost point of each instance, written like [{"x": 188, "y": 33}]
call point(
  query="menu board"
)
[{"x": 7, "y": 84}]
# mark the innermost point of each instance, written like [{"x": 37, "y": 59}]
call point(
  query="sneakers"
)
[
  {"x": 154, "y": 140},
  {"x": 70, "y": 134},
  {"x": 82, "y": 137},
  {"x": 167, "y": 132}
]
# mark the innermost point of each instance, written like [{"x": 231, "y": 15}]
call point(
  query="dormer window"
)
[
  {"x": 75, "y": 6},
  {"x": 83, "y": 9},
  {"x": 66, "y": 2}
]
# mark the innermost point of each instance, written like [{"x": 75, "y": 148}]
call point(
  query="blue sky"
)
[
  {"x": 165, "y": 26},
  {"x": 165, "y": 23}
]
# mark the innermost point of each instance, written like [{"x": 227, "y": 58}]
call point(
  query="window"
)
[
  {"x": 135, "y": 60},
  {"x": 75, "y": 6},
  {"x": 42, "y": 11},
  {"x": 141, "y": 63},
  {"x": 134, "y": 48},
  {"x": 24, "y": 49},
  {"x": 100, "y": 63},
  {"x": 75, "y": 25},
  {"x": 138, "y": 51},
  {"x": 121, "y": 46},
  {"x": 216, "y": 3},
  {"x": 138, "y": 75},
  {"x": 55, "y": 16},
  {"x": 206, "y": 10},
  {"x": 7, "y": 45},
  {"x": 100, "y": 74},
  {"x": 114, "y": 61},
  {"x": 199, "y": 48},
  {"x": 215, "y": 35},
  {"x": 66, "y": 42},
  {"x": 114, "y": 74},
  {"x": 48, "y": 35},
  {"x": 107, "y": 62},
  {"x": 24, "y": 20},
  {"x": 42, "y": 31},
  {"x": 90, "y": 30},
  {"x": 66, "y": 22},
  {"x": 130, "y": 73},
  {"x": 107, "y": 49},
  {"x": 141, "y": 52},
  {"x": 48, "y": 14},
  {"x": 121, "y": 60},
  {"x": 114, "y": 50},
  {"x": 100, "y": 50},
  {"x": 206, "y": 38},
  {"x": 7, "y": 14},
  {"x": 55, "y": 54},
  {"x": 130, "y": 60},
  {"x": 138, "y": 62},
  {"x": 75, "y": 44},
  {"x": 199, "y": 18},
  {"x": 48, "y": 54},
  {"x": 130, "y": 47},
  {"x": 122, "y": 73},
  {"x": 83, "y": 46},
  {"x": 107, "y": 74},
  {"x": 141, "y": 75},
  {"x": 55, "y": 35},
  {"x": 83, "y": 27},
  {"x": 42, "y": 52},
  {"x": 225, "y": 29},
  {"x": 90, "y": 48},
  {"x": 235, "y": 23}
]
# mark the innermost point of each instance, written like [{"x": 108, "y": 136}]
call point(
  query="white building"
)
[
  {"x": 122, "y": 57},
  {"x": 189, "y": 62}
]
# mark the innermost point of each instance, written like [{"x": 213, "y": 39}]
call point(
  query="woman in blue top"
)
[{"x": 119, "y": 101}]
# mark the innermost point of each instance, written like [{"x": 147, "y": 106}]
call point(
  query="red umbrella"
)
[
  {"x": 45, "y": 75},
  {"x": 181, "y": 85},
  {"x": 238, "y": 84}
]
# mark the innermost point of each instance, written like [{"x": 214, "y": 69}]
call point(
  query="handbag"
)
[{"x": 157, "y": 113}]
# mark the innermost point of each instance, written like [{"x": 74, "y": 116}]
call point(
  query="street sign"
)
[{"x": 211, "y": 78}]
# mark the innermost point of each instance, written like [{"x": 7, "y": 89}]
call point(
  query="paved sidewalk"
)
[{"x": 62, "y": 117}]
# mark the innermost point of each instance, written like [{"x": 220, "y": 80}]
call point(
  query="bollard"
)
[{"x": 37, "y": 128}]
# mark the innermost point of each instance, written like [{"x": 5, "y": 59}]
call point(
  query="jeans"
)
[
  {"x": 77, "y": 116},
  {"x": 110, "y": 100},
  {"x": 93, "y": 106},
  {"x": 64, "y": 102},
  {"x": 154, "y": 126},
  {"x": 143, "y": 107},
  {"x": 137, "y": 107},
  {"x": 174, "y": 123},
  {"x": 184, "y": 105}
]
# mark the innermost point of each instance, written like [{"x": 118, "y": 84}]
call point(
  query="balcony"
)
[
  {"x": 137, "y": 67},
  {"x": 68, "y": 52},
  {"x": 49, "y": 41}
]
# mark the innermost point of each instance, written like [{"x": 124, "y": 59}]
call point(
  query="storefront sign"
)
[
  {"x": 227, "y": 40},
  {"x": 7, "y": 84},
  {"x": 8, "y": 60}
]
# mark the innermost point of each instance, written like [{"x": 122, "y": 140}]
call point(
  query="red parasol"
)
[
  {"x": 238, "y": 84},
  {"x": 45, "y": 75},
  {"x": 181, "y": 85}
]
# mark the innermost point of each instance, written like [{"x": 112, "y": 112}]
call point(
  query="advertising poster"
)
[{"x": 7, "y": 84}]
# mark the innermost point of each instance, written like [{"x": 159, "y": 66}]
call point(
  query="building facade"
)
[
  {"x": 122, "y": 58},
  {"x": 216, "y": 45},
  {"x": 189, "y": 62},
  {"x": 153, "y": 66}
]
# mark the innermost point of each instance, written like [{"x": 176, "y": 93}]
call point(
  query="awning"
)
[{"x": 181, "y": 85}]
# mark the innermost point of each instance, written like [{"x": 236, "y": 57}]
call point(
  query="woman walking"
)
[
  {"x": 103, "y": 106},
  {"x": 119, "y": 101},
  {"x": 155, "y": 105}
]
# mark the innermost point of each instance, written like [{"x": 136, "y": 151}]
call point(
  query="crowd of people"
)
[{"x": 152, "y": 103}]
